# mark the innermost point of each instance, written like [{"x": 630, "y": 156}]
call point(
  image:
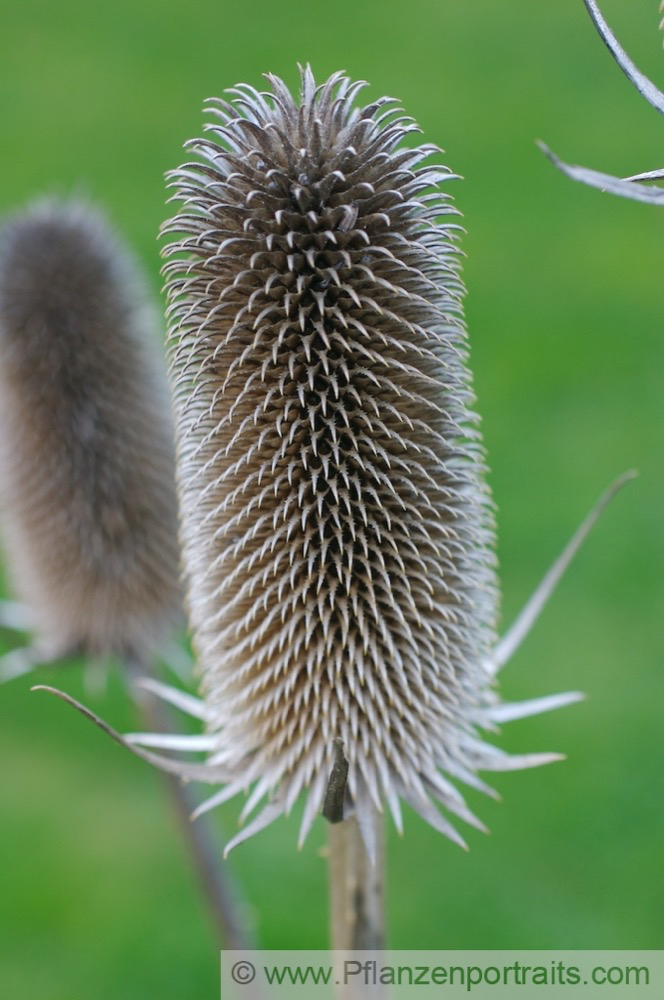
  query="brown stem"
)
[
  {"x": 222, "y": 896},
  {"x": 357, "y": 889}
]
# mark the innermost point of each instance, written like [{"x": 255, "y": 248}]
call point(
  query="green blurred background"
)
[{"x": 97, "y": 898}]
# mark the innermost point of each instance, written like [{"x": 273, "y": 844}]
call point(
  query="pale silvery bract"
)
[{"x": 625, "y": 187}]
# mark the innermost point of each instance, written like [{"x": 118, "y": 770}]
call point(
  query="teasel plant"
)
[
  {"x": 337, "y": 528},
  {"x": 87, "y": 479},
  {"x": 632, "y": 187},
  {"x": 86, "y": 448}
]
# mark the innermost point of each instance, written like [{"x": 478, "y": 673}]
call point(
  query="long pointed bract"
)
[
  {"x": 515, "y": 635},
  {"x": 652, "y": 94}
]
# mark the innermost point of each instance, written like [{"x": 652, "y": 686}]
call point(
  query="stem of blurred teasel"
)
[{"x": 228, "y": 910}]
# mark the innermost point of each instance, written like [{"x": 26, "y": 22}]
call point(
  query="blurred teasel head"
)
[
  {"x": 337, "y": 529},
  {"x": 86, "y": 452}
]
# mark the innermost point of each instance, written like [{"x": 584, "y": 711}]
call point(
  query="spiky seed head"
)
[
  {"x": 86, "y": 452},
  {"x": 337, "y": 529}
]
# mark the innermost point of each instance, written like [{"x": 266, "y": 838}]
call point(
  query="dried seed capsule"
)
[{"x": 337, "y": 528}]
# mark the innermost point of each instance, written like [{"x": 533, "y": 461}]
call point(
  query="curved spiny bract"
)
[
  {"x": 337, "y": 531},
  {"x": 86, "y": 452},
  {"x": 624, "y": 187}
]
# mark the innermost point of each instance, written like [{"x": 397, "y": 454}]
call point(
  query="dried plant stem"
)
[
  {"x": 225, "y": 905},
  {"x": 357, "y": 889},
  {"x": 221, "y": 894}
]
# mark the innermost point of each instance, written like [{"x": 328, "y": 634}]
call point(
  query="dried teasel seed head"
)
[
  {"x": 337, "y": 529},
  {"x": 86, "y": 453}
]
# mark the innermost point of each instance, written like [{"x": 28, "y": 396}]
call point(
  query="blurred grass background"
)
[{"x": 565, "y": 318}]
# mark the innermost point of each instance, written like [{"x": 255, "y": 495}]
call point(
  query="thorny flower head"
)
[
  {"x": 86, "y": 452},
  {"x": 337, "y": 529}
]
